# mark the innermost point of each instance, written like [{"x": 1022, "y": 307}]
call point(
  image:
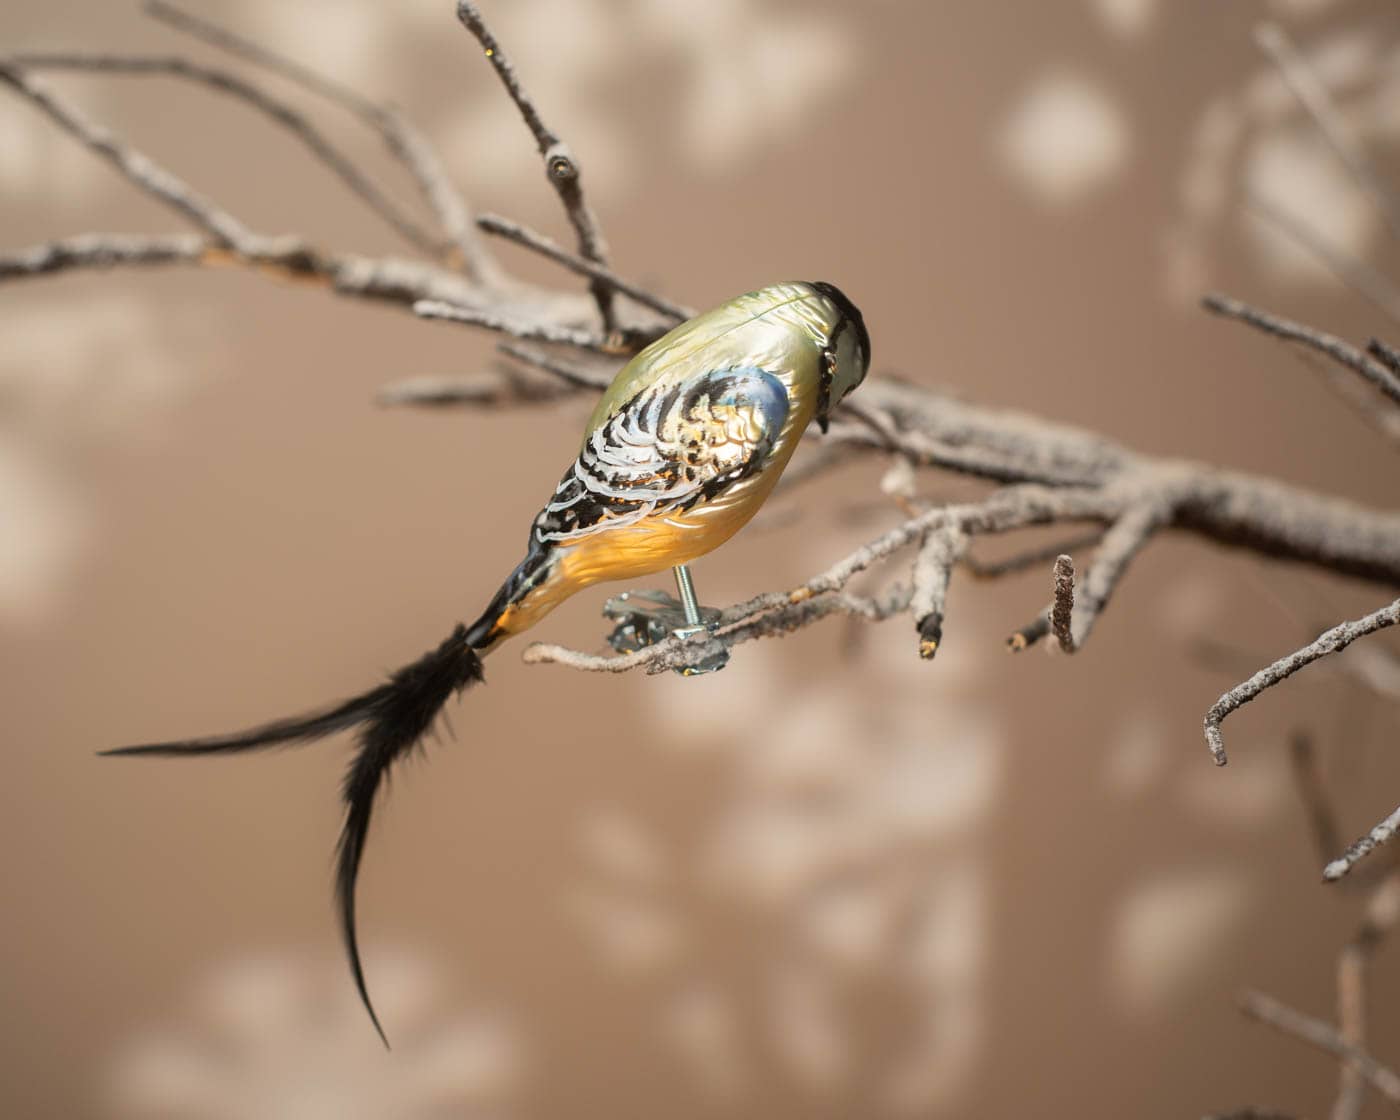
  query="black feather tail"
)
[{"x": 392, "y": 719}]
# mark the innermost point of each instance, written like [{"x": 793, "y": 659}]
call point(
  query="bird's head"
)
[{"x": 846, "y": 354}]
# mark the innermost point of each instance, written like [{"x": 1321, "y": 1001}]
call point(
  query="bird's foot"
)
[{"x": 644, "y": 618}]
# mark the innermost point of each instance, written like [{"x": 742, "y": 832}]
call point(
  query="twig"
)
[
  {"x": 1353, "y": 964},
  {"x": 486, "y": 390},
  {"x": 1383, "y": 833},
  {"x": 1021, "y": 561},
  {"x": 561, "y": 166},
  {"x": 1307, "y": 776},
  {"x": 536, "y": 331},
  {"x": 1359, "y": 275},
  {"x": 1331, "y": 641},
  {"x": 1029, "y": 634},
  {"x": 404, "y": 141},
  {"x": 274, "y": 108},
  {"x": 538, "y": 243},
  {"x": 140, "y": 169},
  {"x": 775, "y": 613},
  {"x": 104, "y": 250},
  {"x": 1325, "y": 1037},
  {"x": 1313, "y": 97},
  {"x": 1123, "y": 540},
  {"x": 1062, "y": 607},
  {"x": 572, "y": 375},
  {"x": 933, "y": 567},
  {"x": 1386, "y": 355},
  {"x": 1335, "y": 348},
  {"x": 1251, "y": 1113}
]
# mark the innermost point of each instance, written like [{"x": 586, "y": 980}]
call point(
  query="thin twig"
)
[
  {"x": 1252, "y": 1113},
  {"x": 492, "y": 321},
  {"x": 277, "y": 110},
  {"x": 1383, "y": 833},
  {"x": 561, "y": 166},
  {"x": 1386, "y": 355},
  {"x": 1034, "y": 558},
  {"x": 1353, "y": 966},
  {"x": 1325, "y": 1037},
  {"x": 104, "y": 250},
  {"x": 141, "y": 170},
  {"x": 485, "y": 390},
  {"x": 575, "y": 376},
  {"x": 538, "y": 243},
  {"x": 1124, "y": 539},
  {"x": 1029, "y": 634},
  {"x": 933, "y": 567},
  {"x": 404, "y": 141},
  {"x": 1307, "y": 776},
  {"x": 1335, "y": 348},
  {"x": 1359, "y": 275},
  {"x": 1331, "y": 641},
  {"x": 1312, "y": 95}
]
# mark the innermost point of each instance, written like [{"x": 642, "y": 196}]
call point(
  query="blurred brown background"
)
[{"x": 831, "y": 881}]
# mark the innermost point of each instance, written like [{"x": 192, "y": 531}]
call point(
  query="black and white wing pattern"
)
[{"x": 667, "y": 449}]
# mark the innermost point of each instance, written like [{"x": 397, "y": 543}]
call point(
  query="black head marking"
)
[
  {"x": 850, "y": 317},
  {"x": 850, "y": 313}
]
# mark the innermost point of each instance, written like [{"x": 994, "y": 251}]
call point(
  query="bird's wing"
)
[{"x": 670, "y": 447}]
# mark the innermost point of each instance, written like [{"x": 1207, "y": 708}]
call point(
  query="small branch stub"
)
[{"x": 1062, "y": 611}]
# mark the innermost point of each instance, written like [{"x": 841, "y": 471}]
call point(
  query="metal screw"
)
[{"x": 686, "y": 586}]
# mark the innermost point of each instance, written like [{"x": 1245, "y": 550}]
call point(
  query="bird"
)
[{"x": 681, "y": 451}]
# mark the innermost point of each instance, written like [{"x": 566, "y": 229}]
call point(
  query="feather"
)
[{"x": 392, "y": 718}]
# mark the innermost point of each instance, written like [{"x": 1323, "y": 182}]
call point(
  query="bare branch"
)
[
  {"x": 261, "y": 100},
  {"x": 537, "y": 331},
  {"x": 933, "y": 567},
  {"x": 737, "y": 625},
  {"x": 782, "y": 612},
  {"x": 1383, "y": 833},
  {"x": 1325, "y": 1037},
  {"x": 104, "y": 250},
  {"x": 1331, "y": 641},
  {"x": 1313, "y": 97},
  {"x": 140, "y": 169},
  {"x": 391, "y": 280},
  {"x": 274, "y": 108},
  {"x": 521, "y": 235},
  {"x": 404, "y": 141},
  {"x": 561, "y": 166},
  {"x": 1335, "y": 348},
  {"x": 1052, "y": 473}
]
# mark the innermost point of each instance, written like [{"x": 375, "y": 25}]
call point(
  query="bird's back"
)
[{"x": 754, "y": 330}]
